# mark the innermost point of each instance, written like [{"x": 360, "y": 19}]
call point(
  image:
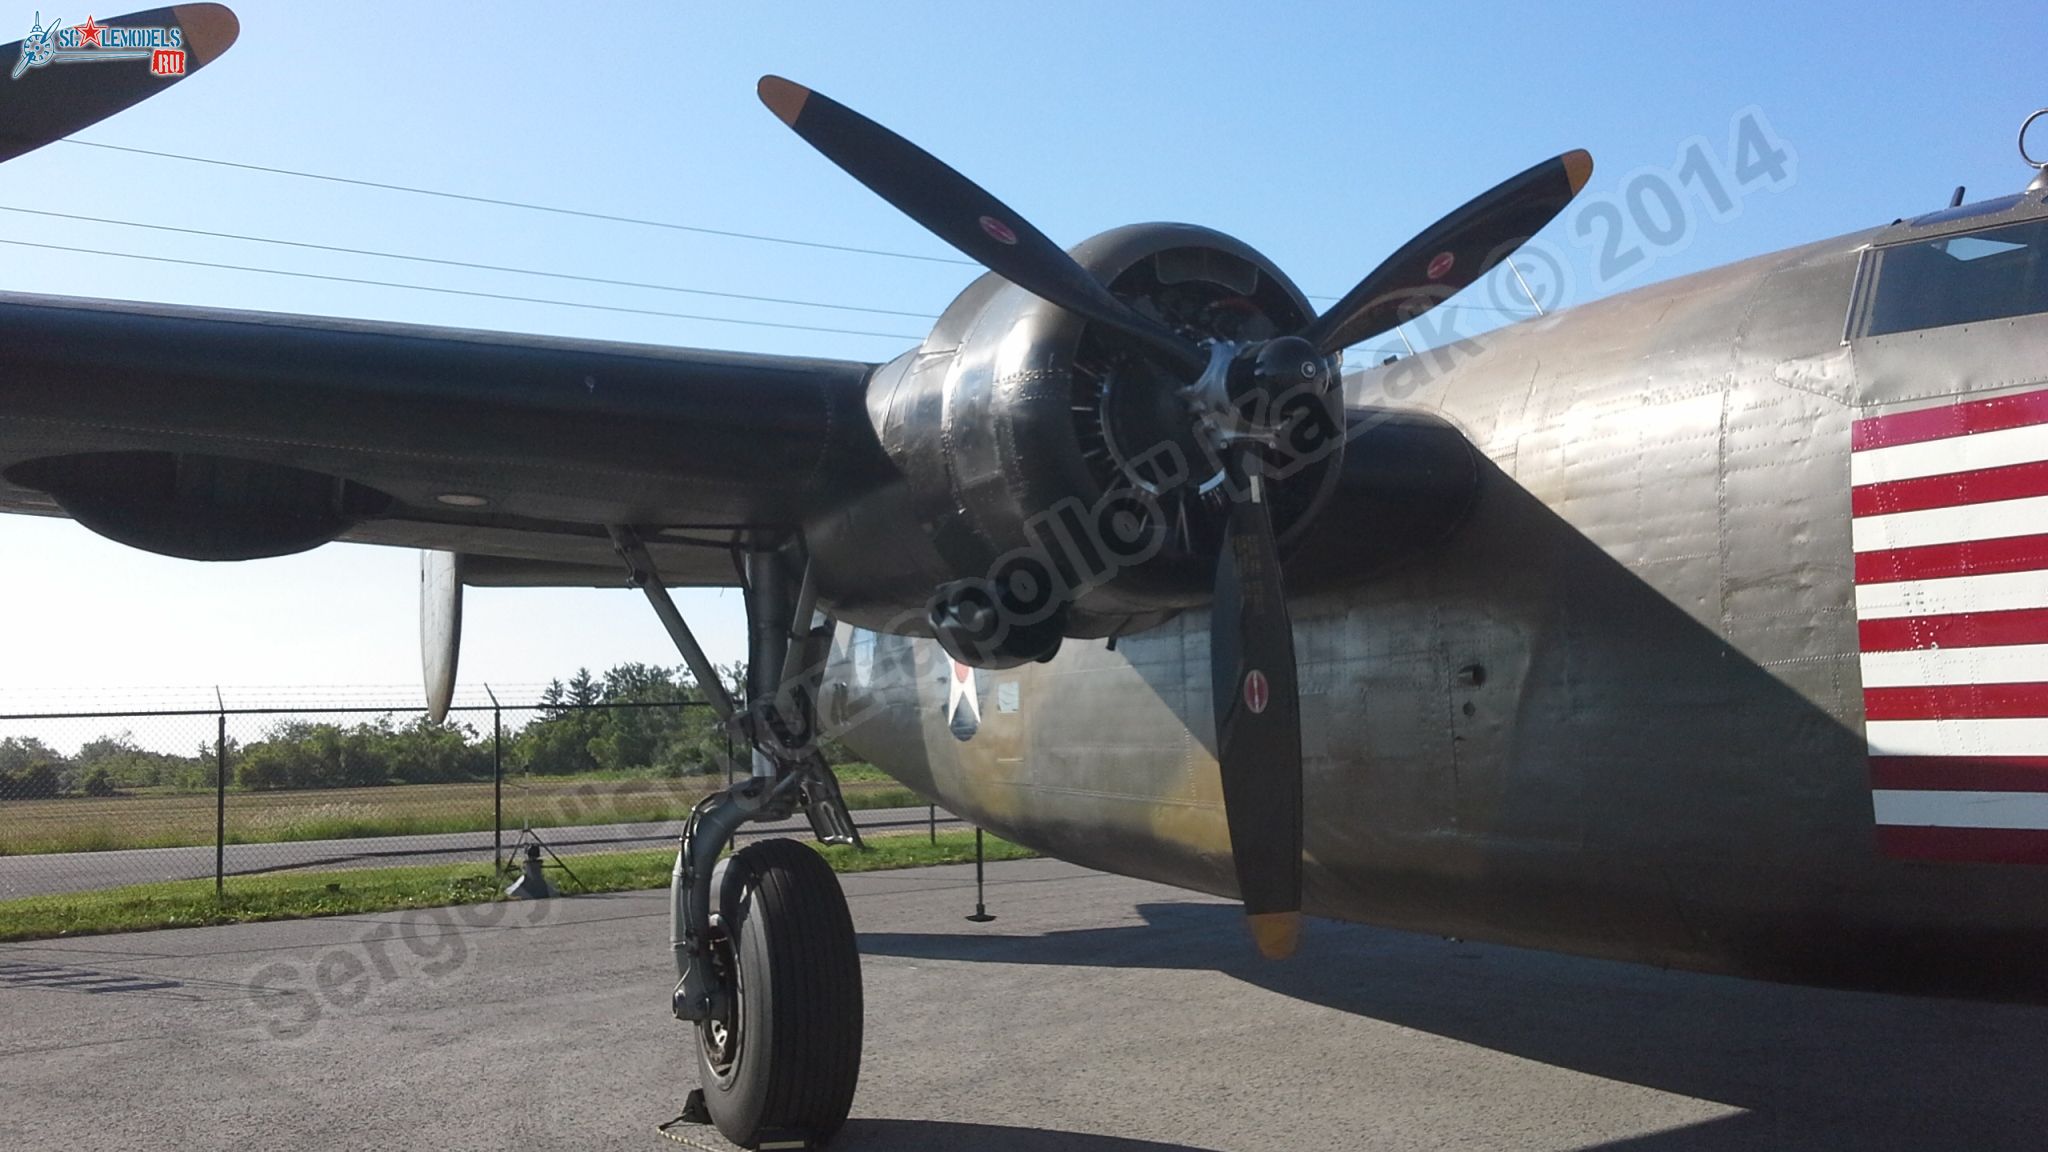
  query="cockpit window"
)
[{"x": 1953, "y": 280}]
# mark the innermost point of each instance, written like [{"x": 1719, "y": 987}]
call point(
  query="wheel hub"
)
[{"x": 722, "y": 1034}]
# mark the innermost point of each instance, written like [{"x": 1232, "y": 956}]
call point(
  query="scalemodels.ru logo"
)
[{"x": 163, "y": 47}]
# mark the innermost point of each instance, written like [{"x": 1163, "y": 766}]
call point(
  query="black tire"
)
[{"x": 789, "y": 1068}]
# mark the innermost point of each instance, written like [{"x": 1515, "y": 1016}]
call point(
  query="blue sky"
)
[{"x": 1322, "y": 134}]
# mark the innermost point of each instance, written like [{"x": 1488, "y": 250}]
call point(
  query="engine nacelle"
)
[
  {"x": 1054, "y": 483},
  {"x": 199, "y": 507}
]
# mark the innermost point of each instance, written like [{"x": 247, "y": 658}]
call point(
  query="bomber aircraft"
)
[{"x": 1703, "y": 625}]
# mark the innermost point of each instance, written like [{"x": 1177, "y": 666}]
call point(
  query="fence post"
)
[
  {"x": 497, "y": 783},
  {"x": 220, "y": 803}
]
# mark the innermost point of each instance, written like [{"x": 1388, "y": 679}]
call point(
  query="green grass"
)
[
  {"x": 191, "y": 903},
  {"x": 173, "y": 820}
]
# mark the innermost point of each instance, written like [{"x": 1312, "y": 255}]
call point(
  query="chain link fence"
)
[{"x": 93, "y": 800}]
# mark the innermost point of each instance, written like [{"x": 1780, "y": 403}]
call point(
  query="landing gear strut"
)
[{"x": 767, "y": 966}]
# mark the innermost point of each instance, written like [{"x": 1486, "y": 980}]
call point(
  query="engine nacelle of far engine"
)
[
  {"x": 199, "y": 507},
  {"x": 1054, "y": 483}
]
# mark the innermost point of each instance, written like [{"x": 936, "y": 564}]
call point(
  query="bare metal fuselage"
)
[{"x": 1618, "y": 713}]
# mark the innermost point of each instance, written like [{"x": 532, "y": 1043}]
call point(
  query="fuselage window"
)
[
  {"x": 861, "y": 651},
  {"x": 1954, "y": 280}
]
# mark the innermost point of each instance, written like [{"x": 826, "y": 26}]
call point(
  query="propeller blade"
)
[
  {"x": 1258, "y": 718},
  {"x": 963, "y": 214},
  {"x": 1452, "y": 253},
  {"x": 53, "y": 94}
]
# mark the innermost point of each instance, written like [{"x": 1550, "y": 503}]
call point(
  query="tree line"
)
[{"x": 613, "y": 723}]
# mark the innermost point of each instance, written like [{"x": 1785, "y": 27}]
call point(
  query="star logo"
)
[
  {"x": 963, "y": 703},
  {"x": 90, "y": 42}
]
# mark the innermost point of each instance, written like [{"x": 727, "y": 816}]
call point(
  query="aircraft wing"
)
[{"x": 223, "y": 435}]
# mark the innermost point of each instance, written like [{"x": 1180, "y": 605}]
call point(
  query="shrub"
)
[{"x": 37, "y": 781}]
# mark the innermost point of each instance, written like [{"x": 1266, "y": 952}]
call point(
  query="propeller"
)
[
  {"x": 53, "y": 93},
  {"x": 1258, "y": 714},
  {"x": 1236, "y": 394},
  {"x": 1452, "y": 253},
  {"x": 963, "y": 214}
]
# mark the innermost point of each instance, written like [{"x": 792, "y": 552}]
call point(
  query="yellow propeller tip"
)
[
  {"x": 783, "y": 98},
  {"x": 207, "y": 30},
  {"x": 1277, "y": 934},
  {"x": 1578, "y": 168}
]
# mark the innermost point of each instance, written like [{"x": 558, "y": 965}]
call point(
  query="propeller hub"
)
[
  {"x": 1265, "y": 373},
  {"x": 1248, "y": 389}
]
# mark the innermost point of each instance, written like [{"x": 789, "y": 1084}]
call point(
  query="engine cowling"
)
[{"x": 1056, "y": 481}]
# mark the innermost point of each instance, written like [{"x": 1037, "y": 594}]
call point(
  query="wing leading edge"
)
[{"x": 218, "y": 434}]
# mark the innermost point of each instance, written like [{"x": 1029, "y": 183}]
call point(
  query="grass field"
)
[
  {"x": 178, "y": 819},
  {"x": 191, "y": 903}
]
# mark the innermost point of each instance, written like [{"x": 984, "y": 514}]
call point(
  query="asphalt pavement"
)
[
  {"x": 1095, "y": 1014},
  {"x": 37, "y": 875}
]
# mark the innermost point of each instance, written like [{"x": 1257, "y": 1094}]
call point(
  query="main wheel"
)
[{"x": 781, "y": 1061}]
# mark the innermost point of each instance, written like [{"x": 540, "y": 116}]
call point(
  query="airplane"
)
[{"x": 1702, "y": 625}]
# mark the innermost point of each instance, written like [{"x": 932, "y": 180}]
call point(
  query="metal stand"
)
[
  {"x": 529, "y": 839},
  {"x": 981, "y": 915}
]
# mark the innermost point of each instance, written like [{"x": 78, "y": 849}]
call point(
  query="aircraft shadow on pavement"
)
[
  {"x": 1810, "y": 1067},
  {"x": 862, "y": 1135}
]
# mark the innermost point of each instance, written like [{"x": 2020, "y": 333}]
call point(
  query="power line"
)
[
  {"x": 469, "y": 292},
  {"x": 458, "y": 291},
  {"x": 463, "y": 196},
  {"x": 461, "y": 263},
  {"x": 579, "y": 213},
  {"x": 1375, "y": 355},
  {"x": 480, "y": 267},
  {"x": 1455, "y": 307}
]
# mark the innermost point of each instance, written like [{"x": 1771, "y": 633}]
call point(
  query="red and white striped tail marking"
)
[{"x": 1951, "y": 542}]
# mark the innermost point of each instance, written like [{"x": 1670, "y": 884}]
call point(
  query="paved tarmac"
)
[
  {"x": 37, "y": 875},
  {"x": 1096, "y": 1014}
]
